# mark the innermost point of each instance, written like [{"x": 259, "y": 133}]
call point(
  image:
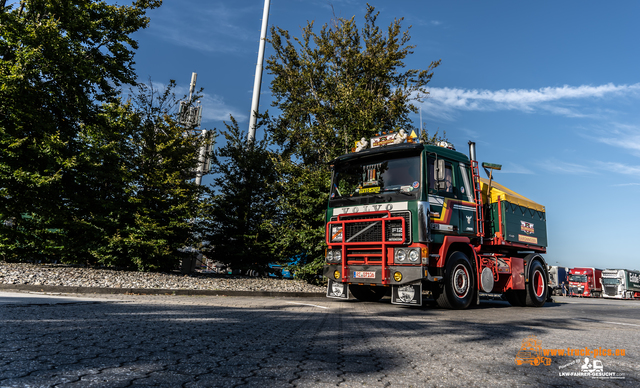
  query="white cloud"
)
[
  {"x": 618, "y": 135},
  {"x": 559, "y": 166},
  {"x": 215, "y": 108},
  {"x": 513, "y": 168},
  {"x": 595, "y": 167},
  {"x": 620, "y": 168},
  {"x": 444, "y": 102}
]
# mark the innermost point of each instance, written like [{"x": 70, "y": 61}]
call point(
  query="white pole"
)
[
  {"x": 192, "y": 86},
  {"x": 202, "y": 160},
  {"x": 255, "y": 101}
]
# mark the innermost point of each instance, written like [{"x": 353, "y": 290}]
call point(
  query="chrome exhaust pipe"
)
[{"x": 472, "y": 150}]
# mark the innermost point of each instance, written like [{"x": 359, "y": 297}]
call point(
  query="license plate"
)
[{"x": 364, "y": 274}]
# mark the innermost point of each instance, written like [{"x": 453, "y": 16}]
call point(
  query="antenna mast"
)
[{"x": 190, "y": 116}]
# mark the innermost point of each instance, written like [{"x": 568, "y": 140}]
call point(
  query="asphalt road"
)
[{"x": 196, "y": 341}]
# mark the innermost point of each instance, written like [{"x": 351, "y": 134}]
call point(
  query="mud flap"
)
[
  {"x": 337, "y": 290},
  {"x": 407, "y": 294}
]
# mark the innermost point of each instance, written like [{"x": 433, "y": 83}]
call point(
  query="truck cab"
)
[
  {"x": 621, "y": 284},
  {"x": 406, "y": 217},
  {"x": 585, "y": 282}
]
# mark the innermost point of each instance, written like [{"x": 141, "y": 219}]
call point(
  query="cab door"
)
[
  {"x": 444, "y": 189},
  {"x": 466, "y": 204}
]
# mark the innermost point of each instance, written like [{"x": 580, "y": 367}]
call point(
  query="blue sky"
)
[{"x": 550, "y": 90}]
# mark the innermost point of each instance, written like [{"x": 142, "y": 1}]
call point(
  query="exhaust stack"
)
[{"x": 472, "y": 150}]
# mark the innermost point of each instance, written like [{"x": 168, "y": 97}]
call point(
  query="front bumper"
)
[{"x": 372, "y": 274}]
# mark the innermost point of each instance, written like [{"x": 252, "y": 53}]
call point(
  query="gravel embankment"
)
[{"x": 60, "y": 275}]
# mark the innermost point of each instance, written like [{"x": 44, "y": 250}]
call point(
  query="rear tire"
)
[
  {"x": 367, "y": 293},
  {"x": 459, "y": 283},
  {"x": 537, "y": 287}
]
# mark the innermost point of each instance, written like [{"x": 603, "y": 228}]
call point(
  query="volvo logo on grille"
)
[{"x": 372, "y": 208}]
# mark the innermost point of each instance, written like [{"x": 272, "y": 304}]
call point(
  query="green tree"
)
[
  {"x": 59, "y": 62},
  {"x": 332, "y": 88},
  {"x": 242, "y": 209},
  {"x": 160, "y": 205}
]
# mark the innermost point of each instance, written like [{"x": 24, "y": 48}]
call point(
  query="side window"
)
[
  {"x": 431, "y": 172},
  {"x": 465, "y": 186},
  {"x": 447, "y": 185},
  {"x": 448, "y": 190}
]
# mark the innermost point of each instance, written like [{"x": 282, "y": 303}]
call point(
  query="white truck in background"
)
[{"x": 620, "y": 284}]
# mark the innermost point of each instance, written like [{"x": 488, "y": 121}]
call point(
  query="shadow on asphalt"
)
[{"x": 226, "y": 346}]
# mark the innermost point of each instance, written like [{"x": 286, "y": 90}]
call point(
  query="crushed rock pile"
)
[{"x": 70, "y": 276}]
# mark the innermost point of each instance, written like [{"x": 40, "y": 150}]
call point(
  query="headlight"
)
[
  {"x": 334, "y": 255},
  {"x": 329, "y": 256},
  {"x": 414, "y": 256},
  {"x": 401, "y": 255}
]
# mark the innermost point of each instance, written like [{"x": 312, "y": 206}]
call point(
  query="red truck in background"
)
[{"x": 585, "y": 282}]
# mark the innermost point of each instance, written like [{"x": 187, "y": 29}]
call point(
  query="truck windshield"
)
[
  {"x": 578, "y": 278},
  {"x": 611, "y": 281},
  {"x": 377, "y": 179}
]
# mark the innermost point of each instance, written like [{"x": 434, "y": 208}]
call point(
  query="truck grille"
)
[
  {"x": 365, "y": 232},
  {"x": 610, "y": 290},
  {"x": 365, "y": 255}
]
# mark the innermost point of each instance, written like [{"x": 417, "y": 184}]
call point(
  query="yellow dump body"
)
[{"x": 505, "y": 194}]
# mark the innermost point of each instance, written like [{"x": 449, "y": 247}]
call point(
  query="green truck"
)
[
  {"x": 406, "y": 218},
  {"x": 620, "y": 284}
]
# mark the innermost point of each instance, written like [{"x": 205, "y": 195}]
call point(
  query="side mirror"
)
[
  {"x": 440, "y": 170},
  {"x": 440, "y": 175}
]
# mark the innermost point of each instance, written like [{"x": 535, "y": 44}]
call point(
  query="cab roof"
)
[{"x": 406, "y": 148}]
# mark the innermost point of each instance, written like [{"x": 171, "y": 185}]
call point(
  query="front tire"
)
[
  {"x": 367, "y": 293},
  {"x": 537, "y": 287},
  {"x": 459, "y": 284}
]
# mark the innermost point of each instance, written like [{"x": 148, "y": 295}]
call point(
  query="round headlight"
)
[
  {"x": 414, "y": 255},
  {"x": 330, "y": 255},
  {"x": 337, "y": 255},
  {"x": 401, "y": 255}
]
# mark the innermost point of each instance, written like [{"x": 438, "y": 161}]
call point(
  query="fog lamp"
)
[
  {"x": 397, "y": 276},
  {"x": 336, "y": 274}
]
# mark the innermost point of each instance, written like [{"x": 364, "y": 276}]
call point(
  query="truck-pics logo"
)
[
  {"x": 527, "y": 227},
  {"x": 531, "y": 353},
  {"x": 585, "y": 359}
]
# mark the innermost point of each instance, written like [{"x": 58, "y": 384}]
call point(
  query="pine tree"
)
[
  {"x": 241, "y": 210},
  {"x": 332, "y": 88}
]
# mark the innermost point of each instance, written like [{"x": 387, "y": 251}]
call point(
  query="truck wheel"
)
[
  {"x": 516, "y": 298},
  {"x": 537, "y": 286},
  {"x": 367, "y": 293},
  {"x": 459, "y": 285}
]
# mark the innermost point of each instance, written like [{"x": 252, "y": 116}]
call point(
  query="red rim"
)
[
  {"x": 460, "y": 281},
  {"x": 538, "y": 284}
]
